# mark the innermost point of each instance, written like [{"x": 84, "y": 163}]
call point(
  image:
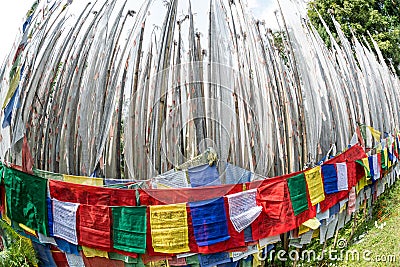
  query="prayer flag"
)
[
  {"x": 209, "y": 221},
  {"x": 129, "y": 228},
  {"x": 83, "y": 180},
  {"x": 243, "y": 209},
  {"x": 204, "y": 175},
  {"x": 64, "y": 220},
  {"x": 298, "y": 194},
  {"x": 169, "y": 228},
  {"x": 342, "y": 183},
  {"x": 315, "y": 185},
  {"x": 26, "y": 199},
  {"x": 330, "y": 178},
  {"x": 95, "y": 226}
]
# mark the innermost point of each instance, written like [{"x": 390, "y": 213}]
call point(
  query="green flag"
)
[
  {"x": 129, "y": 229},
  {"x": 47, "y": 174},
  {"x": 26, "y": 199},
  {"x": 298, "y": 193}
]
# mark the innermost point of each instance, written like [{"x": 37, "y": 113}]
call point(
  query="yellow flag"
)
[
  {"x": 92, "y": 252},
  {"x": 361, "y": 184},
  {"x": 256, "y": 260},
  {"x": 27, "y": 229},
  {"x": 83, "y": 180},
  {"x": 386, "y": 157},
  {"x": 303, "y": 229},
  {"x": 4, "y": 215},
  {"x": 312, "y": 223},
  {"x": 13, "y": 86},
  {"x": 375, "y": 133},
  {"x": 169, "y": 228},
  {"x": 315, "y": 185},
  {"x": 367, "y": 170}
]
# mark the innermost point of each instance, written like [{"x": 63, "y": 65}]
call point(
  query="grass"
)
[
  {"x": 18, "y": 251},
  {"x": 379, "y": 238},
  {"x": 375, "y": 241}
]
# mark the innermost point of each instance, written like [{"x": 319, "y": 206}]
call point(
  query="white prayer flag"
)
[
  {"x": 74, "y": 260},
  {"x": 342, "y": 176},
  {"x": 243, "y": 209},
  {"x": 64, "y": 220}
]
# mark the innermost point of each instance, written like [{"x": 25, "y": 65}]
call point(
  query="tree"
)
[{"x": 380, "y": 18}]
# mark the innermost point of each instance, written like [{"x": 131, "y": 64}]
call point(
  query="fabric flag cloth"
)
[
  {"x": 298, "y": 194},
  {"x": 204, "y": 175},
  {"x": 315, "y": 185},
  {"x": 74, "y": 260},
  {"x": 83, "y": 180},
  {"x": 169, "y": 228},
  {"x": 66, "y": 247},
  {"x": 351, "y": 206},
  {"x": 374, "y": 167},
  {"x": 94, "y": 226},
  {"x": 46, "y": 240},
  {"x": 277, "y": 216},
  {"x": 91, "y": 195},
  {"x": 44, "y": 255},
  {"x": 236, "y": 175},
  {"x": 112, "y": 181},
  {"x": 48, "y": 175},
  {"x": 26, "y": 199},
  {"x": 14, "y": 81},
  {"x": 8, "y": 110},
  {"x": 342, "y": 182},
  {"x": 64, "y": 220},
  {"x": 176, "y": 179},
  {"x": 312, "y": 223},
  {"x": 375, "y": 133},
  {"x": 100, "y": 261},
  {"x": 27, "y": 160},
  {"x": 126, "y": 259},
  {"x": 177, "y": 262},
  {"x": 365, "y": 163},
  {"x": 59, "y": 257},
  {"x": 209, "y": 221},
  {"x": 354, "y": 172},
  {"x": 243, "y": 209},
  {"x": 93, "y": 252},
  {"x": 170, "y": 196},
  {"x": 49, "y": 205},
  {"x": 330, "y": 178},
  {"x": 129, "y": 229},
  {"x": 208, "y": 260}
]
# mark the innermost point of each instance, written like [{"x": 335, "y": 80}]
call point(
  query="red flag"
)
[{"x": 27, "y": 160}]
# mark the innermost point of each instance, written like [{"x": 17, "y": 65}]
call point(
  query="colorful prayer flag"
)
[
  {"x": 64, "y": 220},
  {"x": 129, "y": 229},
  {"x": 169, "y": 228},
  {"x": 298, "y": 194},
  {"x": 330, "y": 178},
  {"x": 243, "y": 209},
  {"x": 315, "y": 185},
  {"x": 26, "y": 199},
  {"x": 209, "y": 221},
  {"x": 95, "y": 226}
]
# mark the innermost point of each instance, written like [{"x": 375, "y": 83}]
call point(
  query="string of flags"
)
[{"x": 191, "y": 217}]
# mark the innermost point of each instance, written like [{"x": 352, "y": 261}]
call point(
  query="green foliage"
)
[
  {"x": 17, "y": 251},
  {"x": 380, "y": 18}
]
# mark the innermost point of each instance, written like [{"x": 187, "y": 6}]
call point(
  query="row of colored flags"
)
[{"x": 83, "y": 217}]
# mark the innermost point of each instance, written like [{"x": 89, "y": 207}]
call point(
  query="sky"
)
[{"x": 12, "y": 16}]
